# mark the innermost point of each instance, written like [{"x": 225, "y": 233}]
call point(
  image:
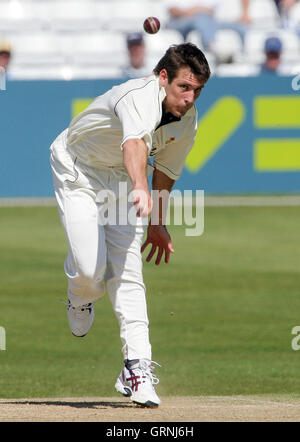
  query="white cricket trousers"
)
[{"x": 101, "y": 257}]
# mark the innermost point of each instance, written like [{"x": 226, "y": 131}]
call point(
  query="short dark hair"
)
[{"x": 185, "y": 54}]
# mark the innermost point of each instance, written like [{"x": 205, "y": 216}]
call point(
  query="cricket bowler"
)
[{"x": 108, "y": 148}]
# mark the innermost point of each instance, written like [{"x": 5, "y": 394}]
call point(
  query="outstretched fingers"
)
[
  {"x": 168, "y": 251},
  {"x": 146, "y": 243},
  {"x": 159, "y": 255},
  {"x": 152, "y": 251},
  {"x": 164, "y": 246}
]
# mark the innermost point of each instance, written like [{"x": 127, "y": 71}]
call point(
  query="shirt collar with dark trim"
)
[{"x": 167, "y": 118}]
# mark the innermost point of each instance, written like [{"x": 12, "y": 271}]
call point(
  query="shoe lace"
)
[
  {"x": 148, "y": 370},
  {"x": 81, "y": 310}
]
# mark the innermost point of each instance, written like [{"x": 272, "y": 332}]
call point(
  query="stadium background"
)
[
  {"x": 222, "y": 312},
  {"x": 67, "y": 51}
]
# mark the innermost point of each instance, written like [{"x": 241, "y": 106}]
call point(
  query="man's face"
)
[
  {"x": 137, "y": 55},
  {"x": 272, "y": 60},
  {"x": 182, "y": 92},
  {"x": 4, "y": 59}
]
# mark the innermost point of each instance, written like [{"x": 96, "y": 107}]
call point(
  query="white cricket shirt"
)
[{"x": 131, "y": 110}]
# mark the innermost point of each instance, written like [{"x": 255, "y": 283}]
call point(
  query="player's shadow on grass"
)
[{"x": 91, "y": 404}]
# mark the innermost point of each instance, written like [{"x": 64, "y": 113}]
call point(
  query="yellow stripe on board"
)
[
  {"x": 277, "y": 112},
  {"x": 277, "y": 155},
  {"x": 214, "y": 129},
  {"x": 79, "y": 104}
]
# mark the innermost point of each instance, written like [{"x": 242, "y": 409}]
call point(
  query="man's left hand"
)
[{"x": 158, "y": 237}]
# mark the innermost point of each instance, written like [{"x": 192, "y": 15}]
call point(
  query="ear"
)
[{"x": 163, "y": 77}]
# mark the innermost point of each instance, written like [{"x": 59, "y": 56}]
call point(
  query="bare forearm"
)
[
  {"x": 245, "y": 12},
  {"x": 135, "y": 161},
  {"x": 161, "y": 188},
  {"x": 160, "y": 181},
  {"x": 287, "y": 4},
  {"x": 245, "y": 5}
]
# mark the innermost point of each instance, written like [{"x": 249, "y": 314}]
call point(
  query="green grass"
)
[{"x": 233, "y": 292}]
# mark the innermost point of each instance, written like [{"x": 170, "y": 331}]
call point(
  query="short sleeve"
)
[{"x": 138, "y": 114}]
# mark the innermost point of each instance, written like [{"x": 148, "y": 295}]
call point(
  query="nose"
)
[{"x": 189, "y": 97}]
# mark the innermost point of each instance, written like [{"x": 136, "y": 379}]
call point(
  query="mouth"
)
[{"x": 183, "y": 111}]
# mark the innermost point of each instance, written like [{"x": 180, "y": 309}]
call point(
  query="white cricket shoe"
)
[
  {"x": 80, "y": 318},
  {"x": 137, "y": 381}
]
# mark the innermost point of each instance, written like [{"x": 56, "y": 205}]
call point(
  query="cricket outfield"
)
[{"x": 221, "y": 319}]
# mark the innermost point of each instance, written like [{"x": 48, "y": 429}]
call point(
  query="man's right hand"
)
[{"x": 142, "y": 201}]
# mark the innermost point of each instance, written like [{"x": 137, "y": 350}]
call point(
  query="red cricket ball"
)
[{"x": 151, "y": 25}]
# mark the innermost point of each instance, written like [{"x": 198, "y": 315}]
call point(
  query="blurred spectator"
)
[
  {"x": 189, "y": 15},
  {"x": 198, "y": 15},
  {"x": 273, "y": 48},
  {"x": 284, "y": 7},
  {"x": 241, "y": 26},
  {"x": 245, "y": 17},
  {"x": 5, "y": 54},
  {"x": 137, "y": 57},
  {"x": 277, "y": 3}
]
